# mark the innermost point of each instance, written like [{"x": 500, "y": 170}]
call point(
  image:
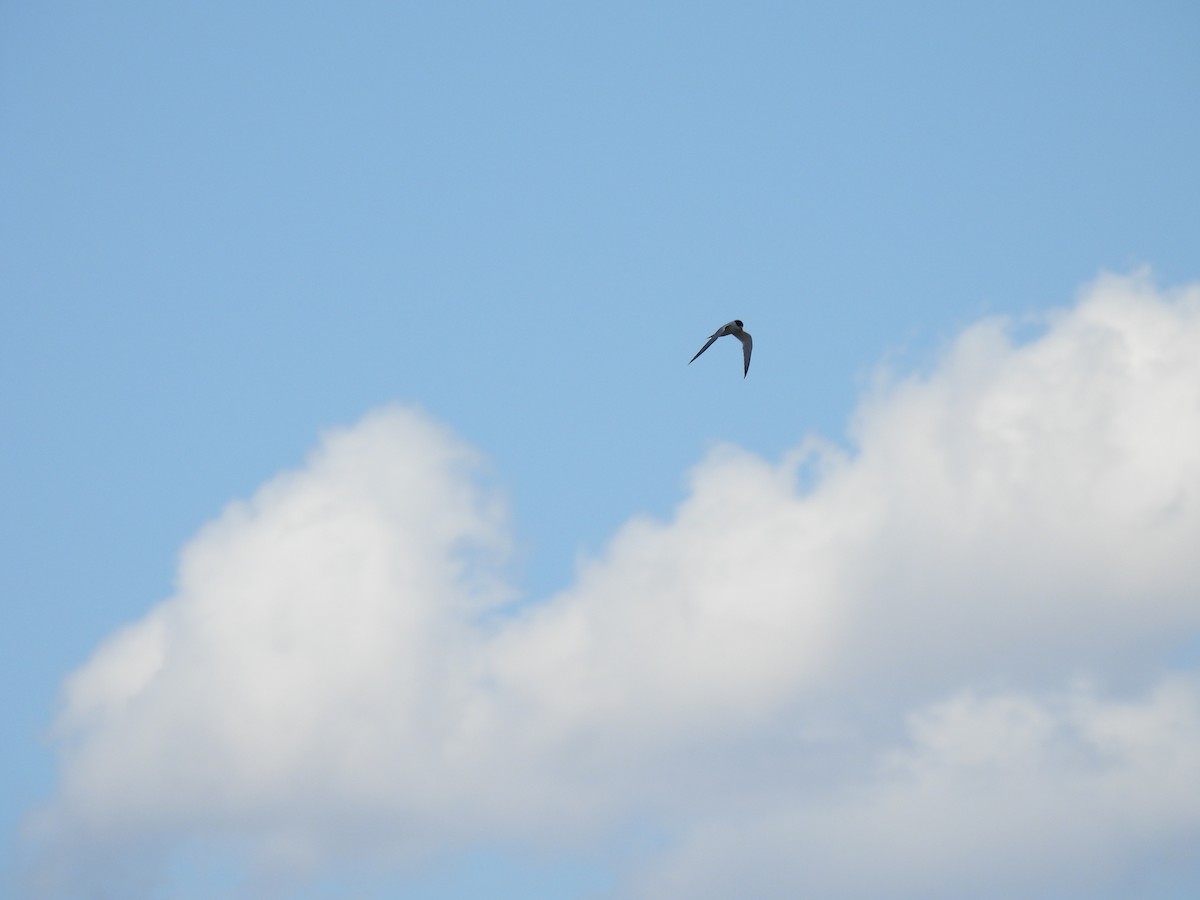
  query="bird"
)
[{"x": 734, "y": 328}]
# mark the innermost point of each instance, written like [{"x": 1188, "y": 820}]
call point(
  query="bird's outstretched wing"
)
[
  {"x": 705, "y": 347},
  {"x": 747, "y": 347}
]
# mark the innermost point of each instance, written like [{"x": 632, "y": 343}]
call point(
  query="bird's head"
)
[{"x": 738, "y": 323}]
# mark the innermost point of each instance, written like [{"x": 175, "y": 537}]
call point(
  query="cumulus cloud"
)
[
  {"x": 928, "y": 664},
  {"x": 999, "y": 795}
]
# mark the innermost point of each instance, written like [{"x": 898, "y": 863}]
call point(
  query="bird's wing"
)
[
  {"x": 705, "y": 347},
  {"x": 747, "y": 346}
]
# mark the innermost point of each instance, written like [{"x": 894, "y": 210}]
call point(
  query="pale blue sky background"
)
[{"x": 225, "y": 227}]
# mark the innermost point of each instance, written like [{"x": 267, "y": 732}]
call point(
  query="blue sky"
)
[{"x": 229, "y": 230}]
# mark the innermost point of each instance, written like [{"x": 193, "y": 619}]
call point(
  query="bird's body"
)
[{"x": 734, "y": 328}]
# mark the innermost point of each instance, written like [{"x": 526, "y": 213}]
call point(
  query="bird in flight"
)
[{"x": 734, "y": 328}]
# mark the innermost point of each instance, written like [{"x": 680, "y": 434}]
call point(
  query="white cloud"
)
[
  {"x": 828, "y": 659},
  {"x": 1002, "y": 795}
]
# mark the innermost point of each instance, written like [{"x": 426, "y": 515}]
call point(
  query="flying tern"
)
[{"x": 734, "y": 328}]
